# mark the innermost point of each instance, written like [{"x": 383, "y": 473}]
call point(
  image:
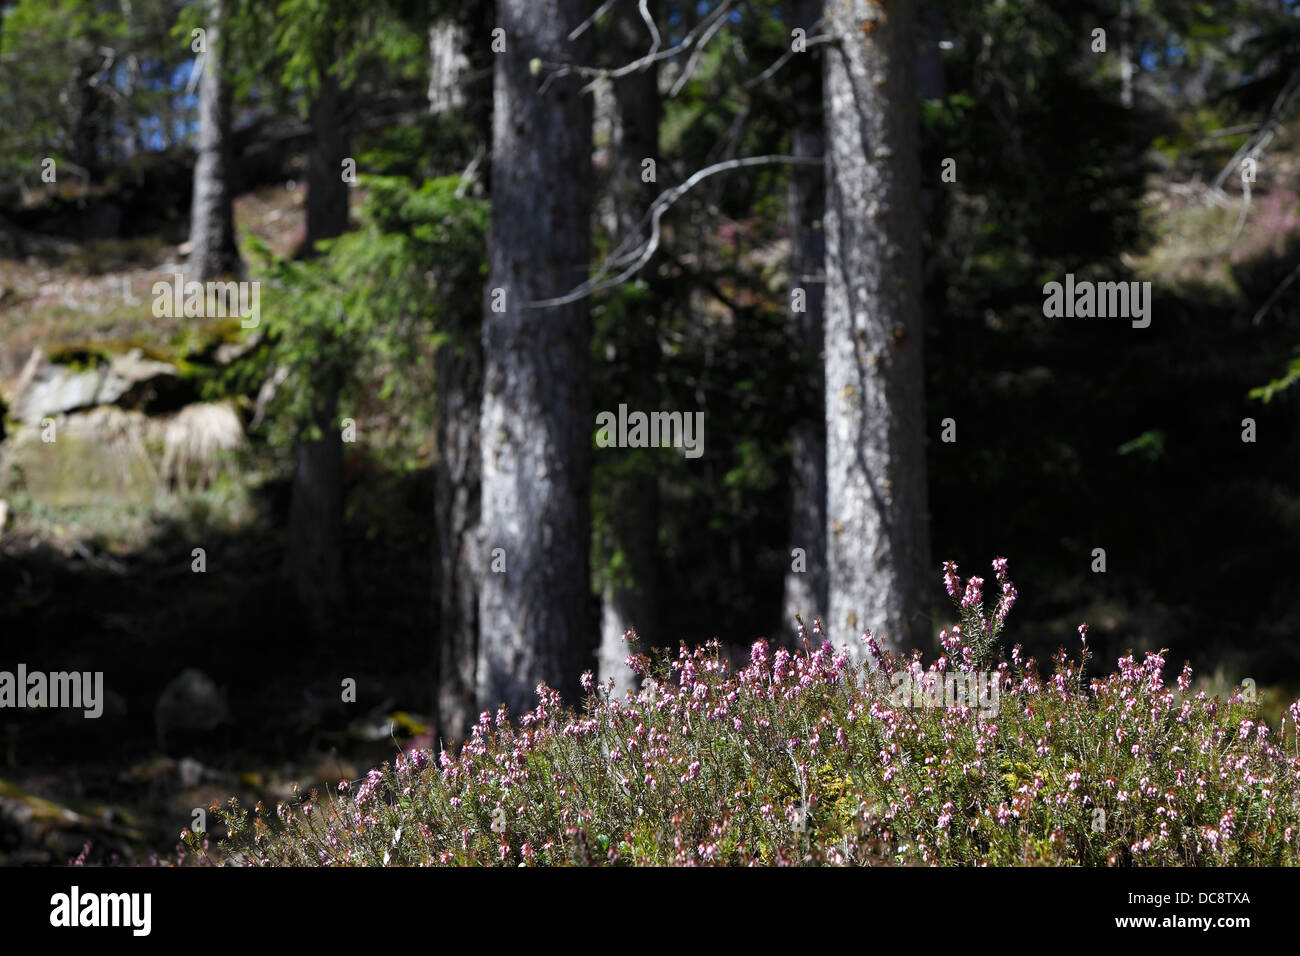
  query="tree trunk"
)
[
  {"x": 1126, "y": 54},
  {"x": 805, "y": 589},
  {"x": 447, "y": 65},
  {"x": 929, "y": 70},
  {"x": 315, "y": 552},
  {"x": 537, "y": 422},
  {"x": 877, "y": 539},
  {"x": 458, "y": 562},
  {"x": 629, "y": 594},
  {"x": 327, "y": 193},
  {"x": 314, "y": 556},
  {"x": 212, "y": 214}
]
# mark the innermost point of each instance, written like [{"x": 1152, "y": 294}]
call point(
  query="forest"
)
[{"x": 367, "y": 366}]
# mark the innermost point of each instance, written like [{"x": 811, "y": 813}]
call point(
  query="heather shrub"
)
[{"x": 829, "y": 757}]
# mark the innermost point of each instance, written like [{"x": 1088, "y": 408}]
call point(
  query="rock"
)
[
  {"x": 191, "y": 704},
  {"x": 46, "y": 389},
  {"x": 111, "y": 456},
  {"x": 98, "y": 457},
  {"x": 56, "y": 389},
  {"x": 134, "y": 380}
]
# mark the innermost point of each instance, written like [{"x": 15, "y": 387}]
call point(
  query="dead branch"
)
[{"x": 641, "y": 254}]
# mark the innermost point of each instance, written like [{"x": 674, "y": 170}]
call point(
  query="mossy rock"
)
[{"x": 101, "y": 456}]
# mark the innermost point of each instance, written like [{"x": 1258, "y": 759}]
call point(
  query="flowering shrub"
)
[{"x": 803, "y": 758}]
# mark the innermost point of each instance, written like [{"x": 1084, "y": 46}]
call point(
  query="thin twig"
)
[
  {"x": 1286, "y": 283},
  {"x": 581, "y": 28},
  {"x": 785, "y": 58},
  {"x": 468, "y": 176},
  {"x": 1256, "y": 144},
  {"x": 644, "y": 10},
  {"x": 694, "y": 62},
  {"x": 560, "y": 70},
  {"x": 641, "y": 254}
]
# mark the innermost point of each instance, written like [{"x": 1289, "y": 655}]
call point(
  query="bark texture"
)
[
  {"x": 805, "y": 591},
  {"x": 459, "y": 557},
  {"x": 315, "y": 552},
  {"x": 447, "y": 66},
  {"x": 458, "y": 562},
  {"x": 314, "y": 558},
  {"x": 331, "y": 143},
  {"x": 536, "y": 426},
  {"x": 877, "y": 540},
  {"x": 212, "y": 213}
]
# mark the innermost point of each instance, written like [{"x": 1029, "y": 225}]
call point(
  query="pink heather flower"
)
[
  {"x": 758, "y": 653},
  {"x": 873, "y": 648},
  {"x": 367, "y": 789},
  {"x": 973, "y": 596},
  {"x": 950, "y": 580},
  {"x": 1212, "y": 835},
  {"x": 1000, "y": 568},
  {"x": 1083, "y": 633},
  {"x": 587, "y": 681},
  {"x": 1226, "y": 825},
  {"x": 1006, "y": 603},
  {"x": 945, "y": 816},
  {"x": 779, "y": 664}
]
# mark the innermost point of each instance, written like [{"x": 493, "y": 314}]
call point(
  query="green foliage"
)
[
  {"x": 300, "y": 42},
  {"x": 1150, "y": 445},
  {"x": 53, "y": 79},
  {"x": 1266, "y": 393},
  {"x": 376, "y": 304}
]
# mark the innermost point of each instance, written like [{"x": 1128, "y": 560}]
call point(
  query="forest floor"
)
[{"x": 110, "y": 588}]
